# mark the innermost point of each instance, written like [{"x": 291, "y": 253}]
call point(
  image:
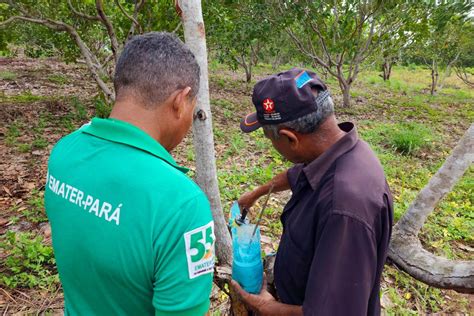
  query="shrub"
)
[
  {"x": 29, "y": 262},
  {"x": 80, "y": 111},
  {"x": 412, "y": 67},
  {"x": 408, "y": 138},
  {"x": 35, "y": 212},
  {"x": 102, "y": 108}
]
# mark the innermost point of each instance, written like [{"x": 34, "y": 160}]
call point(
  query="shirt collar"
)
[
  {"x": 125, "y": 133},
  {"x": 316, "y": 169}
]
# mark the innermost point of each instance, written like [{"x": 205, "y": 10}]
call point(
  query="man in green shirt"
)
[{"x": 132, "y": 234}]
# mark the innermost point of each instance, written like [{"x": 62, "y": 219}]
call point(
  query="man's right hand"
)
[
  {"x": 247, "y": 200},
  {"x": 279, "y": 183}
]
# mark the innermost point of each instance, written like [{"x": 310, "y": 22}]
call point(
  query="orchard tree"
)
[
  {"x": 397, "y": 41},
  {"x": 92, "y": 30},
  {"x": 464, "y": 67},
  {"x": 238, "y": 31},
  {"x": 340, "y": 35},
  {"x": 438, "y": 44}
]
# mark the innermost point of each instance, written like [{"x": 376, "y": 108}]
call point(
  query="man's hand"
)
[
  {"x": 260, "y": 303},
  {"x": 279, "y": 183},
  {"x": 265, "y": 304},
  {"x": 247, "y": 200}
]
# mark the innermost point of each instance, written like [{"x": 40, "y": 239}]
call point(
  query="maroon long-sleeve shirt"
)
[{"x": 336, "y": 231}]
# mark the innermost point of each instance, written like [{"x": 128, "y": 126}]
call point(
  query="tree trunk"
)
[
  {"x": 248, "y": 73},
  {"x": 434, "y": 77},
  {"x": 447, "y": 72},
  {"x": 276, "y": 61},
  {"x": 386, "y": 69},
  {"x": 206, "y": 174},
  {"x": 346, "y": 95},
  {"x": 247, "y": 67},
  {"x": 255, "y": 51},
  {"x": 406, "y": 249}
]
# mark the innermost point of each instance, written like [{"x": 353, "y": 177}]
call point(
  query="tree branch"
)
[
  {"x": 85, "y": 51},
  {"x": 406, "y": 249},
  {"x": 110, "y": 29},
  {"x": 336, "y": 22},
  {"x": 82, "y": 15},
  {"x": 138, "y": 6},
  {"x": 131, "y": 18},
  {"x": 51, "y": 24},
  {"x": 323, "y": 43},
  {"x": 407, "y": 252},
  {"x": 461, "y": 73},
  {"x": 180, "y": 24}
]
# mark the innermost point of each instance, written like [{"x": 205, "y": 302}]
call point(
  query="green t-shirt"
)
[{"x": 132, "y": 234}]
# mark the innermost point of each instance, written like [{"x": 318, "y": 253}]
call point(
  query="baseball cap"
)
[{"x": 284, "y": 97}]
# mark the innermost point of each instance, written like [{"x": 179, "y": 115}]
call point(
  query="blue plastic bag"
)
[{"x": 247, "y": 267}]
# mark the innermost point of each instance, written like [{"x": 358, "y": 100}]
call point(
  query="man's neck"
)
[
  {"x": 324, "y": 138},
  {"x": 141, "y": 117}
]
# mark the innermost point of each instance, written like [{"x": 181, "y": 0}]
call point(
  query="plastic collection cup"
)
[{"x": 247, "y": 267}]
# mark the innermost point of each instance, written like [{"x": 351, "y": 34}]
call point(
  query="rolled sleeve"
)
[{"x": 343, "y": 268}]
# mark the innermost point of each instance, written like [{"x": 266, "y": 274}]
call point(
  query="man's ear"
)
[
  {"x": 292, "y": 138},
  {"x": 180, "y": 101}
]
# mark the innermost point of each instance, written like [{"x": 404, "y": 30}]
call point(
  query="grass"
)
[
  {"x": 25, "y": 148},
  {"x": 405, "y": 295},
  {"x": 7, "y": 75},
  {"x": 409, "y": 138},
  {"x": 25, "y": 97},
  {"x": 58, "y": 79},
  {"x": 76, "y": 115},
  {"x": 79, "y": 110},
  {"x": 18, "y": 128},
  {"x": 406, "y": 138},
  {"x": 13, "y": 132}
]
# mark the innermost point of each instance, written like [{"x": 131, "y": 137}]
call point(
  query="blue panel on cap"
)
[{"x": 302, "y": 79}]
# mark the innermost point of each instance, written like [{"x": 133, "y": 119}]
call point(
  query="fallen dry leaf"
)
[{"x": 7, "y": 190}]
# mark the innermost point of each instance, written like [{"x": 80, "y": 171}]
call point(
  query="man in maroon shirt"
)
[{"x": 337, "y": 224}]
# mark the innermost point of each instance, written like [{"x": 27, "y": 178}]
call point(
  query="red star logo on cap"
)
[{"x": 268, "y": 105}]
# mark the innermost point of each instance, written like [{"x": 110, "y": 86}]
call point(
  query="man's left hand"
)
[{"x": 260, "y": 303}]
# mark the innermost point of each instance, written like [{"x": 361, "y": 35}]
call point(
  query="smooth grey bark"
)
[
  {"x": 406, "y": 249},
  {"x": 434, "y": 77},
  {"x": 206, "y": 173}
]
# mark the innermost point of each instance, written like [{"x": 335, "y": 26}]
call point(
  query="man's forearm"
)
[
  {"x": 279, "y": 182},
  {"x": 280, "y": 309}
]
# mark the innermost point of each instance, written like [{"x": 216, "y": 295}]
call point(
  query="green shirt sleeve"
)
[{"x": 184, "y": 260}]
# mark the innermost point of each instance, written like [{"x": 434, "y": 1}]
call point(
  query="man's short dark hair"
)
[{"x": 154, "y": 65}]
